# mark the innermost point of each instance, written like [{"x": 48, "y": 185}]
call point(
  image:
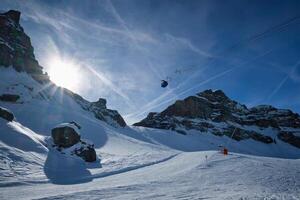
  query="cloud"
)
[
  {"x": 62, "y": 20},
  {"x": 277, "y": 88},
  {"x": 109, "y": 83},
  {"x": 295, "y": 73},
  {"x": 133, "y": 36},
  {"x": 291, "y": 74},
  {"x": 185, "y": 43}
]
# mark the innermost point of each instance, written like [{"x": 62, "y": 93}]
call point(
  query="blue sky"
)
[{"x": 122, "y": 49}]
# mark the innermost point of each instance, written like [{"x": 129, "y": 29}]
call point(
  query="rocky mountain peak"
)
[
  {"x": 214, "y": 112},
  {"x": 99, "y": 109},
  {"x": 101, "y": 103},
  {"x": 214, "y": 96},
  {"x": 16, "y": 49},
  {"x": 13, "y": 15}
]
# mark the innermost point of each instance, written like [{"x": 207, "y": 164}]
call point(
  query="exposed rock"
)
[
  {"x": 16, "y": 49},
  {"x": 99, "y": 110},
  {"x": 104, "y": 114},
  {"x": 290, "y": 138},
  {"x": 14, "y": 15},
  {"x": 6, "y": 114},
  {"x": 212, "y": 111},
  {"x": 87, "y": 153},
  {"x": 101, "y": 103},
  {"x": 65, "y": 135},
  {"x": 9, "y": 97}
]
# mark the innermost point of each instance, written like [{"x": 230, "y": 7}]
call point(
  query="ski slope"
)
[
  {"x": 188, "y": 175},
  {"x": 133, "y": 162}
]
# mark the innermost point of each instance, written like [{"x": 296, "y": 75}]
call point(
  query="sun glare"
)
[{"x": 64, "y": 73}]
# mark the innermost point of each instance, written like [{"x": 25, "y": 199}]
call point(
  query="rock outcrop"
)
[
  {"x": 6, "y": 114},
  {"x": 99, "y": 109},
  {"x": 9, "y": 97},
  {"x": 212, "y": 111},
  {"x": 101, "y": 112},
  {"x": 16, "y": 49}
]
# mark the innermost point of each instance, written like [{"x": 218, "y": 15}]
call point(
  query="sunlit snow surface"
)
[{"x": 134, "y": 163}]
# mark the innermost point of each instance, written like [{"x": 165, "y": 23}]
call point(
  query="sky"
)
[{"x": 121, "y": 50}]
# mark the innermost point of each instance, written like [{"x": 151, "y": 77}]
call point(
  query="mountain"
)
[
  {"x": 16, "y": 51},
  {"x": 213, "y": 112}
]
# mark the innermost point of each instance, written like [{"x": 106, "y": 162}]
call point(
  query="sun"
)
[{"x": 64, "y": 73}]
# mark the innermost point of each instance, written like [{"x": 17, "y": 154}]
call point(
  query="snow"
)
[
  {"x": 135, "y": 162},
  {"x": 185, "y": 176},
  {"x": 70, "y": 125}
]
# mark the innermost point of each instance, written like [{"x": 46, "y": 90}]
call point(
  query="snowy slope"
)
[
  {"x": 134, "y": 162},
  {"x": 186, "y": 176},
  {"x": 42, "y": 114}
]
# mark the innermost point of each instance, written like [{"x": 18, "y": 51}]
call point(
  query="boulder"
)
[
  {"x": 88, "y": 153},
  {"x": 65, "y": 135},
  {"x": 6, "y": 114}
]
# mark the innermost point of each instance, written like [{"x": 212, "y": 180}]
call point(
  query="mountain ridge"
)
[{"x": 212, "y": 111}]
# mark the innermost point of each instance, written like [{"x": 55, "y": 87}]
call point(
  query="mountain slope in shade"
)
[{"x": 213, "y": 112}]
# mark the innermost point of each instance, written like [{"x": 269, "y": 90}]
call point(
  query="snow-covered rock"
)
[{"x": 65, "y": 135}]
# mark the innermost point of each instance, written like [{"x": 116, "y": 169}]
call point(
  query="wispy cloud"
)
[
  {"x": 136, "y": 40},
  {"x": 290, "y": 74},
  {"x": 278, "y": 87},
  {"x": 186, "y": 43},
  {"x": 62, "y": 19},
  {"x": 109, "y": 83}
]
